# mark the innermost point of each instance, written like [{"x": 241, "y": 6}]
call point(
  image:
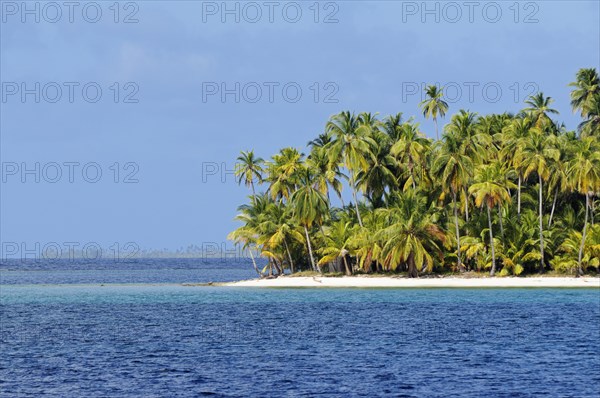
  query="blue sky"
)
[{"x": 164, "y": 125}]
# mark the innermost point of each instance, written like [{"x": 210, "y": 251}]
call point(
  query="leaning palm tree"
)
[
  {"x": 350, "y": 147},
  {"x": 434, "y": 105},
  {"x": 584, "y": 170},
  {"x": 249, "y": 168},
  {"x": 309, "y": 207},
  {"x": 248, "y": 234},
  {"x": 535, "y": 155},
  {"x": 453, "y": 169},
  {"x": 489, "y": 189}
]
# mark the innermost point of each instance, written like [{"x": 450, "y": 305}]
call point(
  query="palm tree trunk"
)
[
  {"x": 270, "y": 266},
  {"x": 278, "y": 268},
  {"x": 460, "y": 266},
  {"x": 519, "y": 199},
  {"x": 437, "y": 134},
  {"x": 346, "y": 266},
  {"x": 592, "y": 207},
  {"x": 466, "y": 205},
  {"x": 254, "y": 263},
  {"x": 289, "y": 256},
  {"x": 541, "y": 228},
  {"x": 500, "y": 219},
  {"x": 553, "y": 207},
  {"x": 312, "y": 259},
  {"x": 412, "y": 269},
  {"x": 493, "y": 271},
  {"x": 587, "y": 205},
  {"x": 355, "y": 199},
  {"x": 412, "y": 175}
]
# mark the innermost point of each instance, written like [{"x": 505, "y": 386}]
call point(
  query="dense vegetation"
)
[{"x": 507, "y": 193}]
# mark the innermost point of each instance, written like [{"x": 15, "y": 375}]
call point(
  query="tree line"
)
[{"x": 499, "y": 193}]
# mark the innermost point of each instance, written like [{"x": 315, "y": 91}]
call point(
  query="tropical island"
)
[{"x": 499, "y": 194}]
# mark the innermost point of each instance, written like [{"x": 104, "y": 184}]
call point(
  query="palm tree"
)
[
  {"x": 453, "y": 169},
  {"x": 472, "y": 143},
  {"x": 539, "y": 108},
  {"x": 380, "y": 172},
  {"x": 412, "y": 235},
  {"x": 391, "y": 126},
  {"x": 248, "y": 234},
  {"x": 283, "y": 173},
  {"x": 559, "y": 178},
  {"x": 364, "y": 243},
  {"x": 279, "y": 229},
  {"x": 410, "y": 148},
  {"x": 590, "y": 127},
  {"x": 535, "y": 155},
  {"x": 489, "y": 190},
  {"x": 585, "y": 173},
  {"x": 513, "y": 136},
  {"x": 349, "y": 147},
  {"x": 309, "y": 207},
  {"x": 327, "y": 173},
  {"x": 586, "y": 91},
  {"x": 336, "y": 242},
  {"x": 434, "y": 105},
  {"x": 248, "y": 168}
]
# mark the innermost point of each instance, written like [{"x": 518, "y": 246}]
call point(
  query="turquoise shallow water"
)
[{"x": 167, "y": 339}]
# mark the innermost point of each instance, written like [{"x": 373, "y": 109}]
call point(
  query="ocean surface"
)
[{"x": 139, "y": 329}]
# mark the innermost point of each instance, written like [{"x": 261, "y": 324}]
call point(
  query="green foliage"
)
[{"x": 512, "y": 193}]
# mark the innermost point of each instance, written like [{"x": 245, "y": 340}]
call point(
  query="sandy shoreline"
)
[{"x": 375, "y": 282}]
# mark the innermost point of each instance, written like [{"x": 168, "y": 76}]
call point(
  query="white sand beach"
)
[{"x": 442, "y": 282}]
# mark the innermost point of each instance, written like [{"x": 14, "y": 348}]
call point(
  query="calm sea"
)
[{"x": 70, "y": 329}]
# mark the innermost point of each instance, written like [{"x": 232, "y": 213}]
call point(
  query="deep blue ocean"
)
[{"x": 140, "y": 329}]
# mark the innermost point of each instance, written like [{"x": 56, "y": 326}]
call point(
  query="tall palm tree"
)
[
  {"x": 536, "y": 154},
  {"x": 391, "y": 126},
  {"x": 410, "y": 148},
  {"x": 379, "y": 174},
  {"x": 350, "y": 147},
  {"x": 513, "y": 136},
  {"x": 327, "y": 173},
  {"x": 283, "y": 173},
  {"x": 434, "y": 105},
  {"x": 559, "y": 181},
  {"x": 453, "y": 169},
  {"x": 489, "y": 190},
  {"x": 473, "y": 143},
  {"x": 585, "y": 173},
  {"x": 590, "y": 127},
  {"x": 539, "y": 108},
  {"x": 309, "y": 207},
  {"x": 586, "y": 90},
  {"x": 249, "y": 168}
]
